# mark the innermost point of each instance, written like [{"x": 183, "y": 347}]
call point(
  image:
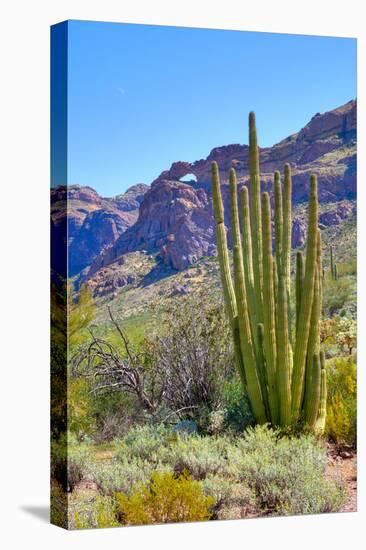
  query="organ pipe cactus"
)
[
  {"x": 331, "y": 262},
  {"x": 279, "y": 360}
]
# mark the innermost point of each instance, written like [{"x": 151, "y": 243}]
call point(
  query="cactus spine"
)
[{"x": 282, "y": 369}]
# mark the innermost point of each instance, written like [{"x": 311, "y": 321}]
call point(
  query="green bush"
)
[
  {"x": 78, "y": 457},
  {"x": 145, "y": 443},
  {"x": 80, "y": 418},
  {"x": 162, "y": 448},
  {"x": 121, "y": 475},
  {"x": 341, "y": 422},
  {"x": 228, "y": 495},
  {"x": 347, "y": 268},
  {"x": 114, "y": 413},
  {"x": 337, "y": 295},
  {"x": 194, "y": 355},
  {"x": 165, "y": 499},
  {"x": 238, "y": 413},
  {"x": 287, "y": 474},
  {"x": 69, "y": 460},
  {"x": 98, "y": 512},
  {"x": 200, "y": 456}
]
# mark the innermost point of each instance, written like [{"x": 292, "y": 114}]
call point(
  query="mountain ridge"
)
[{"x": 173, "y": 219}]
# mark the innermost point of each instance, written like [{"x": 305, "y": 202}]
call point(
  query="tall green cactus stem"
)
[
  {"x": 234, "y": 212},
  {"x": 255, "y": 214},
  {"x": 269, "y": 319},
  {"x": 331, "y": 262},
  {"x": 319, "y": 259},
  {"x": 229, "y": 293},
  {"x": 275, "y": 280},
  {"x": 320, "y": 424},
  {"x": 246, "y": 343},
  {"x": 262, "y": 368},
  {"x": 313, "y": 345},
  {"x": 298, "y": 373},
  {"x": 278, "y": 219},
  {"x": 314, "y": 400},
  {"x": 284, "y": 353},
  {"x": 226, "y": 280},
  {"x": 287, "y": 239},
  {"x": 248, "y": 258},
  {"x": 299, "y": 283}
]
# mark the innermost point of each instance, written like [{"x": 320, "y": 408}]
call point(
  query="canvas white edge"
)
[{"x": 24, "y": 395}]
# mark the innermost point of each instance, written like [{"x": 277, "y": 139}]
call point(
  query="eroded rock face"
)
[
  {"x": 93, "y": 222},
  {"x": 298, "y": 232},
  {"x": 175, "y": 219},
  {"x": 100, "y": 229},
  {"x": 336, "y": 215}
]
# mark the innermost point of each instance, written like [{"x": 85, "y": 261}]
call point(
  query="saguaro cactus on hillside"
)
[{"x": 280, "y": 362}]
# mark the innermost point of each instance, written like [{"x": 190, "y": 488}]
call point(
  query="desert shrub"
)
[
  {"x": 287, "y": 474},
  {"x": 346, "y": 334},
  {"x": 98, "y": 512},
  {"x": 121, "y": 476},
  {"x": 201, "y": 456},
  {"x": 238, "y": 413},
  {"x": 342, "y": 400},
  {"x": 114, "y": 413},
  {"x": 215, "y": 422},
  {"x": 176, "y": 374},
  {"x": 146, "y": 443},
  {"x": 347, "y": 268},
  {"x": 78, "y": 457},
  {"x": 165, "y": 499},
  {"x": 162, "y": 448},
  {"x": 68, "y": 461},
  {"x": 337, "y": 294},
  {"x": 194, "y": 353},
  {"x": 228, "y": 495}
]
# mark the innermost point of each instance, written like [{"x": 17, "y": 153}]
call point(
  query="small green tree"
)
[{"x": 81, "y": 312}]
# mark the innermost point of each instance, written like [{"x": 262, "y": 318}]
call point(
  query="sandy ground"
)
[{"x": 343, "y": 462}]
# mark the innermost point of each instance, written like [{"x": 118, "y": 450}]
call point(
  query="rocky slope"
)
[
  {"x": 139, "y": 285},
  {"x": 175, "y": 219},
  {"x": 94, "y": 222}
]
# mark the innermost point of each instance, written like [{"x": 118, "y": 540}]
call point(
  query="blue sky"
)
[{"x": 141, "y": 96}]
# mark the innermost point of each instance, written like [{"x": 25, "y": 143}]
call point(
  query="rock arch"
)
[{"x": 188, "y": 178}]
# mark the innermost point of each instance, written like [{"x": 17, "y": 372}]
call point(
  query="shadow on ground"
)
[{"x": 40, "y": 512}]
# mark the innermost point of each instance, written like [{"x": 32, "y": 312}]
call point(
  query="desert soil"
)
[{"x": 343, "y": 462}]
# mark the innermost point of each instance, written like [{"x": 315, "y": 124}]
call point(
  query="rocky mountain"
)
[
  {"x": 94, "y": 222},
  {"x": 175, "y": 218}
]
